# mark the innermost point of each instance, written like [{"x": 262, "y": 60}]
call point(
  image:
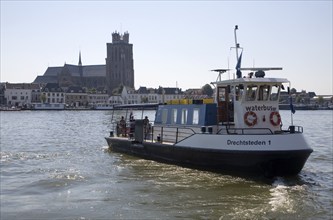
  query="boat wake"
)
[{"x": 283, "y": 196}]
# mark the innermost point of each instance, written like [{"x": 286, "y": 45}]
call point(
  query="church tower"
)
[{"x": 119, "y": 62}]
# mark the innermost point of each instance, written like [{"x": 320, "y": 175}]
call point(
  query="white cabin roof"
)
[{"x": 251, "y": 80}]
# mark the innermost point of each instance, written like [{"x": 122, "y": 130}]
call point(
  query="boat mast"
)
[
  {"x": 238, "y": 58},
  {"x": 236, "y": 44}
]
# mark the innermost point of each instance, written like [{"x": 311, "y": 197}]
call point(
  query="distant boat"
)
[
  {"x": 13, "y": 108},
  {"x": 49, "y": 106},
  {"x": 240, "y": 132},
  {"x": 103, "y": 107}
]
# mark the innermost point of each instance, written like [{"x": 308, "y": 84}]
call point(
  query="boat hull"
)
[{"x": 268, "y": 163}]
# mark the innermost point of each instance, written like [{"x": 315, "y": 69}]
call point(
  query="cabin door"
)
[{"x": 225, "y": 107}]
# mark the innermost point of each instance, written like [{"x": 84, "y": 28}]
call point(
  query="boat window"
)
[
  {"x": 184, "y": 116},
  {"x": 222, "y": 92},
  {"x": 174, "y": 116},
  {"x": 251, "y": 91},
  {"x": 231, "y": 93},
  {"x": 195, "y": 116},
  {"x": 275, "y": 93},
  {"x": 263, "y": 92},
  {"x": 164, "y": 116},
  {"x": 239, "y": 92}
]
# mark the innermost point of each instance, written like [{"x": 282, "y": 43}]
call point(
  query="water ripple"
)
[{"x": 59, "y": 167}]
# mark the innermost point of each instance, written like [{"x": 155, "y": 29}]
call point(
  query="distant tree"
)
[
  {"x": 293, "y": 91},
  {"x": 118, "y": 90},
  {"x": 207, "y": 90},
  {"x": 144, "y": 100},
  {"x": 92, "y": 91},
  {"x": 43, "y": 98},
  {"x": 320, "y": 100},
  {"x": 160, "y": 90}
]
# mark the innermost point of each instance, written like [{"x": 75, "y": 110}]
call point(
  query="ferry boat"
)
[{"x": 240, "y": 131}]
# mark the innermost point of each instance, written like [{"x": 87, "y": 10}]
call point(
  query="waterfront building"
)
[
  {"x": 76, "y": 96},
  {"x": 52, "y": 93},
  {"x": 21, "y": 94},
  {"x": 323, "y": 101},
  {"x": 119, "y": 62},
  {"x": 129, "y": 96},
  {"x": 147, "y": 95},
  {"x": 196, "y": 94},
  {"x": 97, "y": 98},
  {"x": 115, "y": 100},
  {"x": 3, "y": 100},
  {"x": 166, "y": 94},
  {"x": 144, "y": 95}
]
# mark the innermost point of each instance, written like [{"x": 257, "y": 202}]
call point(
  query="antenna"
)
[
  {"x": 236, "y": 44},
  {"x": 228, "y": 69},
  {"x": 239, "y": 59}
]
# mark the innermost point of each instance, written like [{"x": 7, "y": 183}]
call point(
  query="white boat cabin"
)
[{"x": 250, "y": 103}]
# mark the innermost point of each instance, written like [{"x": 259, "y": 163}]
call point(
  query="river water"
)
[{"x": 56, "y": 165}]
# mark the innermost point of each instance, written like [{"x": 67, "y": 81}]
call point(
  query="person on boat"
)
[
  {"x": 132, "y": 126},
  {"x": 146, "y": 126},
  {"x": 122, "y": 125}
]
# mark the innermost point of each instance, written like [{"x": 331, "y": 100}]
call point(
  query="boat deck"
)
[{"x": 145, "y": 140}]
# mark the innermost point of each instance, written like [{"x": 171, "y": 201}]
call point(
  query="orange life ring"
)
[
  {"x": 251, "y": 122},
  {"x": 275, "y": 121}
]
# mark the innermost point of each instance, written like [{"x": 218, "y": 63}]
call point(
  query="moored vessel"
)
[
  {"x": 239, "y": 131},
  {"x": 49, "y": 106},
  {"x": 102, "y": 107}
]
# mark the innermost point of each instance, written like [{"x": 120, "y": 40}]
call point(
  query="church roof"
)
[
  {"x": 46, "y": 79},
  {"x": 53, "y": 71},
  {"x": 87, "y": 71},
  {"x": 142, "y": 90},
  {"x": 94, "y": 70},
  {"x": 50, "y": 75},
  {"x": 52, "y": 87}
]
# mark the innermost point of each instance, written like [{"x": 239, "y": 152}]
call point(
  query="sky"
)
[{"x": 175, "y": 43}]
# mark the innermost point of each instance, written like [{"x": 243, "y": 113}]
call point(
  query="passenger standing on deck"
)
[
  {"x": 122, "y": 125},
  {"x": 132, "y": 126},
  {"x": 146, "y": 126}
]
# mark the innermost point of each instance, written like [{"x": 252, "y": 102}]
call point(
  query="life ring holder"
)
[
  {"x": 247, "y": 122},
  {"x": 275, "y": 122}
]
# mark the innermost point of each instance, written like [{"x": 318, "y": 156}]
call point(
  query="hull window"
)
[
  {"x": 195, "y": 116},
  {"x": 164, "y": 116},
  {"x": 174, "y": 116},
  {"x": 184, "y": 116}
]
